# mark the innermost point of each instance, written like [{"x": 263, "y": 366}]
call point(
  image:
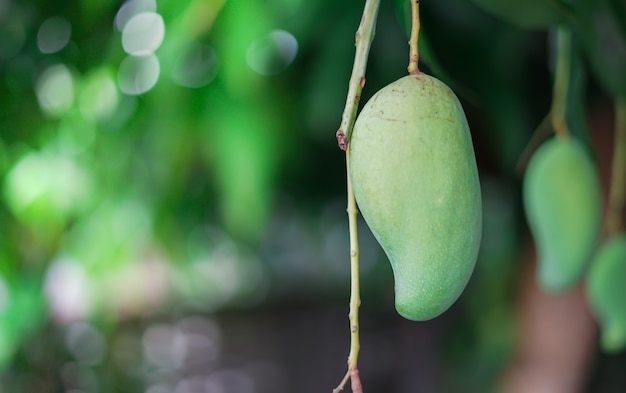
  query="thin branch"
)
[
  {"x": 413, "y": 67},
  {"x": 342, "y": 383},
  {"x": 363, "y": 41},
  {"x": 561, "y": 81},
  {"x": 543, "y": 131},
  {"x": 355, "y": 297},
  {"x": 617, "y": 194}
]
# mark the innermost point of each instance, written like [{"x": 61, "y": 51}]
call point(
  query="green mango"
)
[
  {"x": 561, "y": 195},
  {"x": 606, "y": 292},
  {"x": 415, "y": 180}
]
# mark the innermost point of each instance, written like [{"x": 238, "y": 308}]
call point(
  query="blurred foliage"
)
[{"x": 171, "y": 158}]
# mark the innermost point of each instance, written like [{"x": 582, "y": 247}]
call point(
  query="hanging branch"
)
[
  {"x": 414, "y": 56},
  {"x": 355, "y": 297},
  {"x": 363, "y": 40},
  {"x": 563, "y": 86},
  {"x": 617, "y": 193},
  {"x": 561, "y": 81}
]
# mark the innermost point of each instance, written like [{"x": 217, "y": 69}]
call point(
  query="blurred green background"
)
[{"x": 172, "y": 200}]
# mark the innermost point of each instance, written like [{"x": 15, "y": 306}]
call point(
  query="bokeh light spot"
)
[
  {"x": 66, "y": 286},
  {"x": 143, "y": 34},
  {"x": 55, "y": 90},
  {"x": 230, "y": 381},
  {"x": 163, "y": 346},
  {"x": 196, "y": 66},
  {"x": 99, "y": 97},
  {"x": 86, "y": 343},
  {"x": 138, "y": 74},
  {"x": 201, "y": 340},
  {"x": 53, "y": 181},
  {"x": 54, "y": 34},
  {"x": 192, "y": 384},
  {"x": 273, "y": 53},
  {"x": 159, "y": 388},
  {"x": 130, "y": 9}
]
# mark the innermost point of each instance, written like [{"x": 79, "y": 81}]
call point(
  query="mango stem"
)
[
  {"x": 363, "y": 40},
  {"x": 355, "y": 299},
  {"x": 413, "y": 67},
  {"x": 617, "y": 193},
  {"x": 561, "y": 81}
]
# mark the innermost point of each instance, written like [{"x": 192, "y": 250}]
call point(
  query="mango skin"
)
[
  {"x": 606, "y": 292},
  {"x": 414, "y": 175},
  {"x": 561, "y": 195}
]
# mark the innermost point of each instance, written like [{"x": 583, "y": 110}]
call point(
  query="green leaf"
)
[
  {"x": 529, "y": 14},
  {"x": 603, "y": 36}
]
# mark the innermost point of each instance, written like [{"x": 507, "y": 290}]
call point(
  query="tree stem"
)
[
  {"x": 561, "y": 81},
  {"x": 413, "y": 67},
  {"x": 355, "y": 299},
  {"x": 355, "y": 296},
  {"x": 363, "y": 41},
  {"x": 617, "y": 193}
]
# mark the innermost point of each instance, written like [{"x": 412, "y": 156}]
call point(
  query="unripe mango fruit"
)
[
  {"x": 561, "y": 196},
  {"x": 606, "y": 292},
  {"x": 415, "y": 180}
]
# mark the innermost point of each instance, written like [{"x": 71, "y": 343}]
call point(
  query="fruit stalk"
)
[
  {"x": 413, "y": 67},
  {"x": 566, "y": 114},
  {"x": 617, "y": 195},
  {"x": 363, "y": 41},
  {"x": 561, "y": 81},
  {"x": 355, "y": 299},
  {"x": 605, "y": 282}
]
